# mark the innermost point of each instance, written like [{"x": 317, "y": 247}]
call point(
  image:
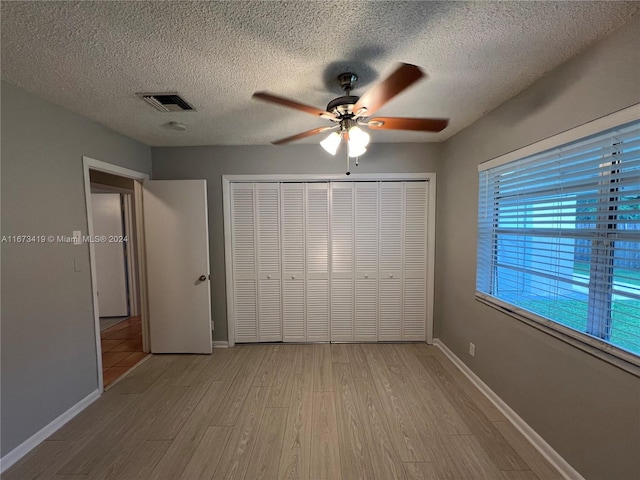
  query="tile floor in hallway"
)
[{"x": 121, "y": 348}]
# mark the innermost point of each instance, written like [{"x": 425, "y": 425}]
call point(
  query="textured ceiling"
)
[{"x": 92, "y": 57}]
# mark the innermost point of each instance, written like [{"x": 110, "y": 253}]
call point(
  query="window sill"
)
[{"x": 610, "y": 354}]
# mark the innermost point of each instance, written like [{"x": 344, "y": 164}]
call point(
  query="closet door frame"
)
[{"x": 431, "y": 217}]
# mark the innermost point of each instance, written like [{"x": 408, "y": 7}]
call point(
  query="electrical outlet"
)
[{"x": 472, "y": 349}]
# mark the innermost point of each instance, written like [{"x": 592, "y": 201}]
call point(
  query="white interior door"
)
[
  {"x": 366, "y": 274},
  {"x": 391, "y": 254},
  {"x": 317, "y": 248},
  {"x": 293, "y": 262},
  {"x": 111, "y": 275},
  {"x": 415, "y": 261},
  {"x": 328, "y": 261},
  {"x": 245, "y": 278},
  {"x": 342, "y": 265},
  {"x": 269, "y": 288},
  {"x": 177, "y": 259}
]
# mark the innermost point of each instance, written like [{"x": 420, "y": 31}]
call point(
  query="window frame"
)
[{"x": 590, "y": 344}]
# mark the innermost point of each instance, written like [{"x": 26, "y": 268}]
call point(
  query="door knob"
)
[
  {"x": 202, "y": 278},
  {"x": 366, "y": 275},
  {"x": 269, "y": 277},
  {"x": 293, "y": 277},
  {"x": 390, "y": 276}
]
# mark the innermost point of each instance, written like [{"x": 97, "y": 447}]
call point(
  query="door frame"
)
[
  {"x": 89, "y": 164},
  {"x": 370, "y": 177},
  {"x": 132, "y": 255}
]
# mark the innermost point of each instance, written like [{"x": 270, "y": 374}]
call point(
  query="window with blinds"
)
[{"x": 559, "y": 238}]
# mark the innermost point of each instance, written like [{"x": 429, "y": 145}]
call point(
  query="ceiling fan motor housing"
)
[{"x": 342, "y": 107}]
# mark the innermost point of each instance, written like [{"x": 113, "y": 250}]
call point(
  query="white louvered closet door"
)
[
  {"x": 268, "y": 242},
  {"x": 243, "y": 241},
  {"x": 366, "y": 256},
  {"x": 293, "y": 261},
  {"x": 342, "y": 265},
  {"x": 317, "y": 251},
  {"x": 391, "y": 254},
  {"x": 415, "y": 261}
]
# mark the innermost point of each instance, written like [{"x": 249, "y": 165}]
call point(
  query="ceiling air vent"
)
[{"x": 167, "y": 102}]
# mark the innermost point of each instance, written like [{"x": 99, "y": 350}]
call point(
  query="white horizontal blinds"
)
[
  {"x": 559, "y": 235},
  {"x": 366, "y": 267},
  {"x": 268, "y": 240},
  {"x": 391, "y": 246},
  {"x": 342, "y": 260},
  {"x": 293, "y": 262},
  {"x": 317, "y": 249},
  {"x": 485, "y": 255},
  {"x": 415, "y": 261},
  {"x": 243, "y": 241}
]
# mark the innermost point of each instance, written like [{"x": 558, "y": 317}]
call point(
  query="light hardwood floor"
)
[{"x": 314, "y": 412}]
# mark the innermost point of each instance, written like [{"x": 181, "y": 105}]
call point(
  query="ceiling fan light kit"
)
[
  {"x": 350, "y": 113},
  {"x": 359, "y": 136},
  {"x": 357, "y": 140},
  {"x": 355, "y": 151},
  {"x": 331, "y": 143}
]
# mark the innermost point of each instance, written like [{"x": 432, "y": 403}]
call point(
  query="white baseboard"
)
[
  {"x": 220, "y": 344},
  {"x": 523, "y": 427},
  {"x": 30, "y": 443}
]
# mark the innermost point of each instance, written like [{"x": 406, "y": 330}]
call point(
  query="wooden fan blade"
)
[
  {"x": 309, "y": 133},
  {"x": 403, "y": 77},
  {"x": 417, "y": 124},
  {"x": 286, "y": 102}
]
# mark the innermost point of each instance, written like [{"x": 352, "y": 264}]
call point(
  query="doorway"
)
[{"x": 113, "y": 200}]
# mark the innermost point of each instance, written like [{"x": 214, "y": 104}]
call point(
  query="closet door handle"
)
[
  {"x": 293, "y": 277},
  {"x": 202, "y": 278},
  {"x": 268, "y": 277}
]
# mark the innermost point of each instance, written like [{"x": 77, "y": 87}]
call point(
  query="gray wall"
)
[
  {"x": 48, "y": 337},
  {"x": 210, "y": 163},
  {"x": 588, "y": 410}
]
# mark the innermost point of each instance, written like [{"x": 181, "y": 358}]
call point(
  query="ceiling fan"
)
[{"x": 349, "y": 113}]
